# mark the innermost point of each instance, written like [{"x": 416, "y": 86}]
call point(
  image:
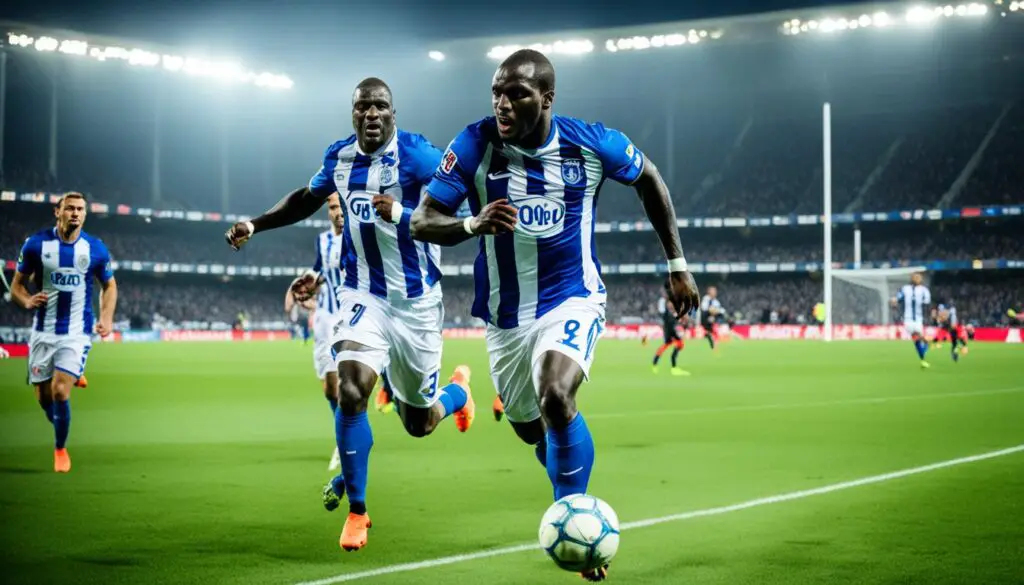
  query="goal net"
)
[{"x": 863, "y": 296}]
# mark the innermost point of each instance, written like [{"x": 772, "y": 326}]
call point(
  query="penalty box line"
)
[{"x": 797, "y": 495}]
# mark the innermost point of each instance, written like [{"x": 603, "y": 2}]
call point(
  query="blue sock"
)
[
  {"x": 333, "y": 402},
  {"x": 48, "y": 410},
  {"x": 570, "y": 458},
  {"x": 541, "y": 451},
  {"x": 354, "y": 439},
  {"x": 453, "y": 398},
  {"x": 61, "y": 422},
  {"x": 922, "y": 347}
]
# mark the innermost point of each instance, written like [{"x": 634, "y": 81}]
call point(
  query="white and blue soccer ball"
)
[{"x": 580, "y": 533}]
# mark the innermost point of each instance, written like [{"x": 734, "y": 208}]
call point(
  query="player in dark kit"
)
[
  {"x": 947, "y": 322},
  {"x": 710, "y": 309},
  {"x": 669, "y": 323}
]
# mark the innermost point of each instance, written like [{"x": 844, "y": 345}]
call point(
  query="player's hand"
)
[
  {"x": 237, "y": 235},
  {"x": 104, "y": 329},
  {"x": 37, "y": 300},
  {"x": 497, "y": 217},
  {"x": 304, "y": 287},
  {"x": 383, "y": 205},
  {"x": 685, "y": 296}
]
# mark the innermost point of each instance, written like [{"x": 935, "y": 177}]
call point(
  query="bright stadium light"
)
[
  {"x": 569, "y": 47},
  {"x": 436, "y": 55},
  {"x": 224, "y": 71}
]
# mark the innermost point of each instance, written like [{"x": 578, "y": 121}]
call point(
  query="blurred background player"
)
[
  {"x": 538, "y": 285},
  {"x": 670, "y": 322},
  {"x": 710, "y": 312},
  {"x": 61, "y": 263},
  {"x": 390, "y": 299},
  {"x": 946, "y": 321},
  {"x": 915, "y": 298},
  {"x": 299, "y": 315}
]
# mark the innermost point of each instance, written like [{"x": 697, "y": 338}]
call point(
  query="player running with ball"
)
[
  {"x": 531, "y": 179},
  {"x": 62, "y": 262},
  {"x": 390, "y": 300}
]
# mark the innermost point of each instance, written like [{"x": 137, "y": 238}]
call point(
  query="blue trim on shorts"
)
[{"x": 69, "y": 372}]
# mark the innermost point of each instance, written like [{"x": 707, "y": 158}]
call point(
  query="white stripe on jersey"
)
[
  {"x": 330, "y": 247},
  {"x": 914, "y": 299}
]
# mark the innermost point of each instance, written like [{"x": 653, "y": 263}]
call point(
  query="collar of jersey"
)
[
  {"x": 551, "y": 138},
  {"x": 61, "y": 240},
  {"x": 383, "y": 147}
]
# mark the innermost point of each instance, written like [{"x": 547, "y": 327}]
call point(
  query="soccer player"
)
[
  {"x": 390, "y": 298},
  {"x": 915, "y": 297},
  {"x": 710, "y": 310},
  {"x": 62, "y": 262},
  {"x": 669, "y": 321},
  {"x": 531, "y": 179},
  {"x": 299, "y": 314},
  {"x": 947, "y": 322}
]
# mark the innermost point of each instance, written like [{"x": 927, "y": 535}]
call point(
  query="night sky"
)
[{"x": 262, "y": 29}]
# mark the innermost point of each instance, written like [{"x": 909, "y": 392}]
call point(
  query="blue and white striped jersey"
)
[
  {"x": 381, "y": 257},
  {"x": 550, "y": 257},
  {"x": 329, "y": 252},
  {"x": 915, "y": 299},
  {"x": 65, "y": 272}
]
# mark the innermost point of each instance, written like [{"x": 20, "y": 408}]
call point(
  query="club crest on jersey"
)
[
  {"x": 539, "y": 217},
  {"x": 448, "y": 161},
  {"x": 82, "y": 262},
  {"x": 339, "y": 176},
  {"x": 572, "y": 171},
  {"x": 387, "y": 177}
]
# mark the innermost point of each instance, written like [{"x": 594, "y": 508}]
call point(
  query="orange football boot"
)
[
  {"x": 595, "y": 575},
  {"x": 61, "y": 461},
  {"x": 383, "y": 401},
  {"x": 353, "y": 535},
  {"x": 498, "y": 408},
  {"x": 81, "y": 382},
  {"x": 464, "y": 417}
]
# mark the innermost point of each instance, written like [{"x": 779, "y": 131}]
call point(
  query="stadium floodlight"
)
[
  {"x": 569, "y": 47},
  {"x": 640, "y": 43},
  {"x": 921, "y": 14},
  {"x": 223, "y": 71},
  {"x": 1015, "y": 6},
  {"x": 436, "y": 55}
]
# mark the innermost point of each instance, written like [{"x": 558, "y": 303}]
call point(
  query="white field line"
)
[
  {"x": 483, "y": 554},
  {"x": 795, "y": 405}
]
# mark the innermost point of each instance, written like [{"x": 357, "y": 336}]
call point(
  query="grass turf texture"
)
[{"x": 202, "y": 463}]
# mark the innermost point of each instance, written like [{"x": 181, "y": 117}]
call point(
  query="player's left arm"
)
[
  {"x": 625, "y": 163},
  {"x": 108, "y": 292}
]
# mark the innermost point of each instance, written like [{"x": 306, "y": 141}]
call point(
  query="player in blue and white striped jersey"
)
[
  {"x": 390, "y": 298},
  {"x": 915, "y": 299},
  {"x": 532, "y": 182},
  {"x": 61, "y": 263}
]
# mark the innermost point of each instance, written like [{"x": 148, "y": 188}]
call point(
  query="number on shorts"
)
[
  {"x": 85, "y": 354},
  {"x": 572, "y": 327},
  {"x": 592, "y": 335},
  {"x": 431, "y": 388},
  {"x": 357, "y": 313}
]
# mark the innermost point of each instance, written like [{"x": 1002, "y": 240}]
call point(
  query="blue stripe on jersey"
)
[
  {"x": 331, "y": 301},
  {"x": 368, "y": 231},
  {"x": 349, "y": 260},
  {"x": 554, "y": 286},
  {"x": 482, "y": 283},
  {"x": 66, "y": 260},
  {"x": 504, "y": 251},
  {"x": 406, "y": 247},
  {"x": 433, "y": 270},
  {"x": 41, "y": 311},
  {"x": 87, "y": 317}
]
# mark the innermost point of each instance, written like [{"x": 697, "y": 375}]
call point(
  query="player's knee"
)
[
  {"x": 557, "y": 403},
  {"x": 419, "y": 422},
  {"x": 531, "y": 433},
  {"x": 351, "y": 396},
  {"x": 61, "y": 389}
]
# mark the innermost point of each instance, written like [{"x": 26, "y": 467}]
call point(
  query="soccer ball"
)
[{"x": 580, "y": 533}]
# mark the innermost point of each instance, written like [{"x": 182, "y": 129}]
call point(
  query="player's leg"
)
[
  {"x": 509, "y": 352},
  {"x": 661, "y": 350},
  {"x": 40, "y": 373},
  {"x": 709, "y": 333},
  {"x": 677, "y": 345},
  {"x": 44, "y": 395},
  {"x": 916, "y": 331},
  {"x": 413, "y": 374},
  {"x": 69, "y": 364}
]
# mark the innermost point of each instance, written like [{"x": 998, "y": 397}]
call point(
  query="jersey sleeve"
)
[
  {"x": 622, "y": 161},
  {"x": 425, "y": 159},
  {"x": 101, "y": 263},
  {"x": 318, "y": 264},
  {"x": 322, "y": 183},
  {"x": 926, "y": 297},
  {"x": 29, "y": 259},
  {"x": 453, "y": 177}
]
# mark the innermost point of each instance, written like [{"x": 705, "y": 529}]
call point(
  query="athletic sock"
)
[
  {"x": 355, "y": 439},
  {"x": 61, "y": 422},
  {"x": 570, "y": 458}
]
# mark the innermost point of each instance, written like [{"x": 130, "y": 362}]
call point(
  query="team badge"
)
[
  {"x": 572, "y": 171},
  {"x": 339, "y": 175},
  {"x": 630, "y": 151},
  {"x": 448, "y": 161},
  {"x": 82, "y": 263},
  {"x": 387, "y": 177}
]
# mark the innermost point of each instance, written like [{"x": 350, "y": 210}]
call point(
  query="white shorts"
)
[
  {"x": 572, "y": 328},
  {"x": 323, "y": 326},
  {"x": 403, "y": 341},
  {"x": 66, "y": 353},
  {"x": 913, "y": 328}
]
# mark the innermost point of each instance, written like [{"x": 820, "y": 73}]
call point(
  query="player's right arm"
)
[
  {"x": 434, "y": 219},
  {"x": 294, "y": 207},
  {"x": 29, "y": 261}
]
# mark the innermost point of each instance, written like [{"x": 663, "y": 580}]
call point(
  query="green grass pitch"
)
[{"x": 203, "y": 463}]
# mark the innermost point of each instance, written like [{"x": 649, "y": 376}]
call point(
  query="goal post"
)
[{"x": 864, "y": 296}]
